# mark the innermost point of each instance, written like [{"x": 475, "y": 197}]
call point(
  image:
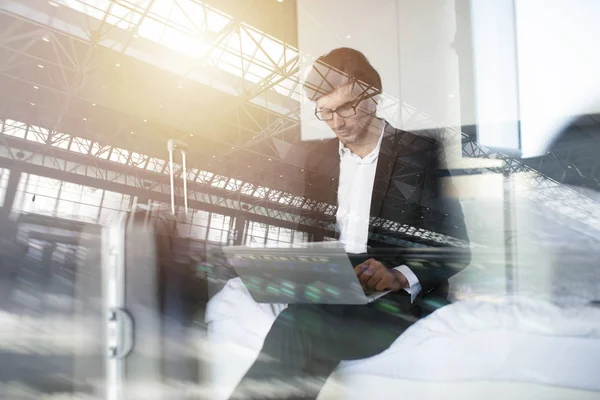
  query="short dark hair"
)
[{"x": 338, "y": 68}]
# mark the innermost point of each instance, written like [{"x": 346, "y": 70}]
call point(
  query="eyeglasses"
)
[{"x": 344, "y": 111}]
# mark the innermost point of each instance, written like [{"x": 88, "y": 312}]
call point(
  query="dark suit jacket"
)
[{"x": 408, "y": 207}]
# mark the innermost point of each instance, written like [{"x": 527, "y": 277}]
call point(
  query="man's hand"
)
[{"x": 374, "y": 275}]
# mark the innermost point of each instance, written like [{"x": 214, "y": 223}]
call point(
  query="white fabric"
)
[
  {"x": 359, "y": 387},
  {"x": 355, "y": 190},
  {"x": 414, "y": 286},
  {"x": 517, "y": 340}
]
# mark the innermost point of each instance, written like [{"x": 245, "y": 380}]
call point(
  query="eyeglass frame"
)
[{"x": 355, "y": 103}]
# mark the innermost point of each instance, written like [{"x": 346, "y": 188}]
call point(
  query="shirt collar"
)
[{"x": 371, "y": 156}]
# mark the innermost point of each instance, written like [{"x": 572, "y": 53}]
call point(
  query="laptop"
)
[{"x": 318, "y": 273}]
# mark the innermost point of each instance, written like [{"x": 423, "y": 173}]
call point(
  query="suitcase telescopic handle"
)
[{"x": 173, "y": 145}]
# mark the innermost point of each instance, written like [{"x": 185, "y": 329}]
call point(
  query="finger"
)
[
  {"x": 367, "y": 269},
  {"x": 365, "y": 276},
  {"x": 371, "y": 270},
  {"x": 360, "y": 268},
  {"x": 376, "y": 278},
  {"x": 384, "y": 283}
]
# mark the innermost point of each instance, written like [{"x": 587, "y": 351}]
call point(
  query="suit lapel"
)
[
  {"x": 385, "y": 167},
  {"x": 326, "y": 172}
]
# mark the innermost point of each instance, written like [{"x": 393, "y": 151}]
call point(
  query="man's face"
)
[{"x": 351, "y": 129}]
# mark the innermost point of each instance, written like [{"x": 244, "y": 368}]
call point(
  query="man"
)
[{"x": 386, "y": 184}]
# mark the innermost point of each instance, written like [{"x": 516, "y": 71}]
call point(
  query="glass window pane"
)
[
  {"x": 200, "y": 217},
  {"x": 122, "y": 17},
  {"x": 216, "y": 22},
  {"x": 42, "y": 185},
  {"x": 100, "y": 151},
  {"x": 300, "y": 237},
  {"x": 216, "y": 235},
  {"x": 60, "y": 140},
  {"x": 151, "y": 29},
  {"x": 219, "y": 181},
  {"x": 81, "y": 146},
  {"x": 119, "y": 155},
  {"x": 204, "y": 176},
  {"x": 218, "y": 221},
  {"x": 178, "y": 41},
  {"x": 40, "y": 205},
  {"x": 70, "y": 191},
  {"x": 190, "y": 15},
  {"x": 66, "y": 209},
  {"x": 162, "y": 8},
  {"x": 15, "y": 128},
  {"x": 198, "y": 232},
  {"x": 37, "y": 134},
  {"x": 116, "y": 201},
  {"x": 20, "y": 195},
  {"x": 109, "y": 216},
  {"x": 87, "y": 213},
  {"x": 138, "y": 160},
  {"x": 257, "y": 230},
  {"x": 91, "y": 196},
  {"x": 285, "y": 235}
]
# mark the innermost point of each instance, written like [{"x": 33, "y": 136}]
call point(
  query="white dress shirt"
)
[{"x": 357, "y": 177}]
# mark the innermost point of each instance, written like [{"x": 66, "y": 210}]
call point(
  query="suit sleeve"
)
[{"x": 442, "y": 214}]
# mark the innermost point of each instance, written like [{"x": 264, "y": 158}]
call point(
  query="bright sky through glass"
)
[{"x": 190, "y": 27}]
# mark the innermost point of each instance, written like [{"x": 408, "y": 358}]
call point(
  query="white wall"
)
[
  {"x": 535, "y": 62},
  {"x": 559, "y": 66},
  {"x": 495, "y": 74},
  {"x": 428, "y": 60}
]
